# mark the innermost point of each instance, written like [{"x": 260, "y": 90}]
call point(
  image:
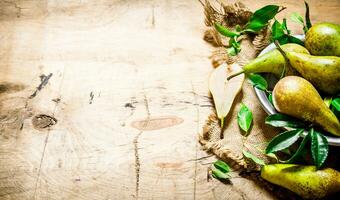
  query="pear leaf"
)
[
  {"x": 218, "y": 174},
  {"x": 258, "y": 81},
  {"x": 270, "y": 98},
  {"x": 224, "y": 91},
  {"x": 295, "y": 40},
  {"x": 299, "y": 151},
  {"x": 252, "y": 157},
  {"x": 280, "y": 120},
  {"x": 277, "y": 30},
  {"x": 284, "y": 26},
  {"x": 224, "y": 31},
  {"x": 307, "y": 17},
  {"x": 244, "y": 118},
  {"x": 283, "y": 140},
  {"x": 319, "y": 148},
  {"x": 296, "y": 17},
  {"x": 222, "y": 166},
  {"x": 260, "y": 18},
  {"x": 336, "y": 103}
]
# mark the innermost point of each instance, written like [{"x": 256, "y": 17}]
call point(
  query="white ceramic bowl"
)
[{"x": 269, "y": 108}]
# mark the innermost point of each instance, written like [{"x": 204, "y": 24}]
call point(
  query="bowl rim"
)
[{"x": 269, "y": 108}]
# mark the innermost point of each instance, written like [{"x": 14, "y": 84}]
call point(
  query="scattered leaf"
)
[
  {"x": 277, "y": 30},
  {"x": 224, "y": 91},
  {"x": 222, "y": 166},
  {"x": 235, "y": 47},
  {"x": 319, "y": 148},
  {"x": 260, "y": 18},
  {"x": 258, "y": 81},
  {"x": 281, "y": 33},
  {"x": 283, "y": 40},
  {"x": 336, "y": 103},
  {"x": 280, "y": 120},
  {"x": 295, "y": 40},
  {"x": 284, "y": 26},
  {"x": 296, "y": 17},
  {"x": 283, "y": 140},
  {"x": 244, "y": 118},
  {"x": 216, "y": 173},
  {"x": 253, "y": 158},
  {"x": 224, "y": 31},
  {"x": 308, "y": 22}
]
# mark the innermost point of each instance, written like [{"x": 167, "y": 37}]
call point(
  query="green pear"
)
[
  {"x": 323, "y": 39},
  {"x": 322, "y": 71},
  {"x": 306, "y": 181},
  {"x": 297, "y": 97},
  {"x": 272, "y": 62}
]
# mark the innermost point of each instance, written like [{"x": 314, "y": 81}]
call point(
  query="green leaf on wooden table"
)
[
  {"x": 283, "y": 140},
  {"x": 244, "y": 118},
  {"x": 336, "y": 103},
  {"x": 319, "y": 148},
  {"x": 277, "y": 30},
  {"x": 258, "y": 81},
  {"x": 260, "y": 18},
  {"x": 253, "y": 158},
  {"x": 222, "y": 166},
  {"x": 224, "y": 91},
  {"x": 216, "y": 173},
  {"x": 307, "y": 17},
  {"x": 328, "y": 101},
  {"x": 280, "y": 120},
  {"x": 296, "y": 17},
  {"x": 224, "y": 31},
  {"x": 299, "y": 151}
]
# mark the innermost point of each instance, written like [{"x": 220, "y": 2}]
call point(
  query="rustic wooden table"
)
[{"x": 103, "y": 99}]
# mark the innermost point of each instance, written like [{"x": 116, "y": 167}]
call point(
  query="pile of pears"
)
[{"x": 309, "y": 71}]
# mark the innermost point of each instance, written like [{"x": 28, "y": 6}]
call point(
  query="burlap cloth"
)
[{"x": 229, "y": 143}]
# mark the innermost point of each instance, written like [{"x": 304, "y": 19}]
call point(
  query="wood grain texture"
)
[{"x": 99, "y": 67}]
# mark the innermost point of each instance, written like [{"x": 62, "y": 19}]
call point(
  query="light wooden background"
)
[{"x": 102, "y": 67}]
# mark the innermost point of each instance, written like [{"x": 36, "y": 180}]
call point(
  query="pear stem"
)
[
  {"x": 278, "y": 46},
  {"x": 236, "y": 74}
]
